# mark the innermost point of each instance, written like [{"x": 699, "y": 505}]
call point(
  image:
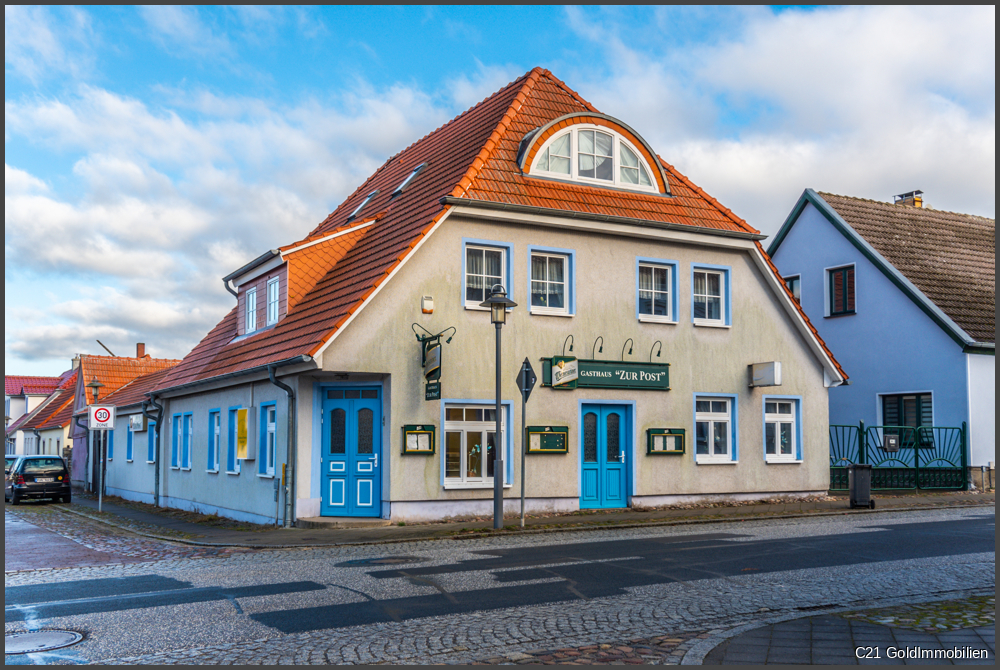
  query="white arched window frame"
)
[{"x": 559, "y": 159}]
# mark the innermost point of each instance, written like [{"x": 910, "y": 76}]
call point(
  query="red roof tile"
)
[
  {"x": 115, "y": 372},
  {"x": 473, "y": 157},
  {"x": 135, "y": 391},
  {"x": 14, "y": 384}
]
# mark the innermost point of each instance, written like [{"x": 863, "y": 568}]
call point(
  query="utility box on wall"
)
[{"x": 765, "y": 374}]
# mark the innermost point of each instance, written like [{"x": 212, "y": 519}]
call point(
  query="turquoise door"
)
[
  {"x": 352, "y": 449},
  {"x": 604, "y": 456}
]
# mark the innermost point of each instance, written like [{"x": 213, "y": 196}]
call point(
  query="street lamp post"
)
[{"x": 498, "y": 304}]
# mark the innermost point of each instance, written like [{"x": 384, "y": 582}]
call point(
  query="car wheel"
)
[
  {"x": 66, "y": 500},
  {"x": 15, "y": 499}
]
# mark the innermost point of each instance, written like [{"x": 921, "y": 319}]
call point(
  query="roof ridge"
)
[
  {"x": 697, "y": 189},
  {"x": 933, "y": 210},
  {"x": 493, "y": 140}
]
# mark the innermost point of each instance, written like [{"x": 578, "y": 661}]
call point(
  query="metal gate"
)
[{"x": 902, "y": 457}]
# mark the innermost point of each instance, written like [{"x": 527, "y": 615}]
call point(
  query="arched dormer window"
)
[{"x": 594, "y": 154}]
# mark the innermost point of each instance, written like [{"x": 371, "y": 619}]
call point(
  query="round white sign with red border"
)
[{"x": 102, "y": 417}]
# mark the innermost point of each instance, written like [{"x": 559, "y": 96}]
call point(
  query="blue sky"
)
[{"x": 150, "y": 151}]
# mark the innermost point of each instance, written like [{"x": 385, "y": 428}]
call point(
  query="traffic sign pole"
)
[{"x": 525, "y": 382}]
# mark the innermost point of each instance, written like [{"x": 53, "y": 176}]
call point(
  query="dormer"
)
[
  {"x": 270, "y": 286},
  {"x": 592, "y": 149}
]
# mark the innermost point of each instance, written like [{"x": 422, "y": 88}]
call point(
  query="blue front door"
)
[
  {"x": 352, "y": 449},
  {"x": 604, "y": 455}
]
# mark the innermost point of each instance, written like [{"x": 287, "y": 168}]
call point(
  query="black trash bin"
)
[{"x": 859, "y": 478}]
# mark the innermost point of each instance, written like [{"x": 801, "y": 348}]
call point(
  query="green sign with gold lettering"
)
[{"x": 612, "y": 375}]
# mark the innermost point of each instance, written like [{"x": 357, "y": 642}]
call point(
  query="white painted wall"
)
[{"x": 982, "y": 409}]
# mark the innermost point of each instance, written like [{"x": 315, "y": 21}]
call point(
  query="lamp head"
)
[{"x": 498, "y": 303}]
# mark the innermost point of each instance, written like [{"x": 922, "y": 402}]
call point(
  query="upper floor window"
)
[
  {"x": 273, "y": 300},
  {"x": 594, "y": 154},
  {"x": 794, "y": 284},
  {"x": 840, "y": 291},
  {"x": 551, "y": 281},
  {"x": 484, "y": 268},
  {"x": 710, "y": 296},
  {"x": 251, "y": 313},
  {"x": 656, "y": 291}
]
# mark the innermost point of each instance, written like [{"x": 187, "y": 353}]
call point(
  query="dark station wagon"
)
[{"x": 37, "y": 477}]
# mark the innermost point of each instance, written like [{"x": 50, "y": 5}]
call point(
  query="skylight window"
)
[
  {"x": 406, "y": 182},
  {"x": 596, "y": 155},
  {"x": 364, "y": 202}
]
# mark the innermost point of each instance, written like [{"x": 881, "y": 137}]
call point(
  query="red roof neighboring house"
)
[
  {"x": 471, "y": 160},
  {"x": 20, "y": 385},
  {"x": 58, "y": 397}
]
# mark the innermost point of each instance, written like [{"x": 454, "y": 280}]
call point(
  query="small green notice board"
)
[
  {"x": 665, "y": 441},
  {"x": 418, "y": 440},
  {"x": 548, "y": 439}
]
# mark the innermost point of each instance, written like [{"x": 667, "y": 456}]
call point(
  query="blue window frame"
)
[
  {"x": 151, "y": 442},
  {"x": 716, "y": 428},
  {"x": 484, "y": 263},
  {"x": 214, "y": 439},
  {"x": 129, "y": 444},
  {"x": 551, "y": 281},
  {"x": 711, "y": 295},
  {"x": 186, "y": 452},
  {"x": 111, "y": 445},
  {"x": 267, "y": 454},
  {"x": 175, "y": 436},
  {"x": 656, "y": 298},
  {"x": 232, "y": 463},
  {"x": 782, "y": 428}
]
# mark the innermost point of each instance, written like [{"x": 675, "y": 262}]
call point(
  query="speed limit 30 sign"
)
[{"x": 102, "y": 417}]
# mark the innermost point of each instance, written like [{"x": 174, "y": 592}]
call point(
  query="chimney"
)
[
  {"x": 912, "y": 199},
  {"x": 76, "y": 362},
  {"x": 140, "y": 350}
]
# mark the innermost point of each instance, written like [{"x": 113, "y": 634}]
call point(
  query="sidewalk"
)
[{"x": 153, "y": 525}]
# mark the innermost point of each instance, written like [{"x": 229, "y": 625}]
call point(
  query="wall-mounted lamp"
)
[
  {"x": 628, "y": 343},
  {"x": 596, "y": 350},
  {"x": 657, "y": 351},
  {"x": 569, "y": 339}
]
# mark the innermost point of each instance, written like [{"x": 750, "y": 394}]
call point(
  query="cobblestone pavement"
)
[
  {"x": 942, "y": 632},
  {"x": 656, "y": 623},
  {"x": 102, "y": 538}
]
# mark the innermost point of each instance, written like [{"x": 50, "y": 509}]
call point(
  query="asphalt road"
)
[{"x": 140, "y": 611}]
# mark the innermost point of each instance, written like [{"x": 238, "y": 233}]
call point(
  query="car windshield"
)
[{"x": 39, "y": 465}]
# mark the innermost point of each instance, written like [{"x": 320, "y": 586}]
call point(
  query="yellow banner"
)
[{"x": 242, "y": 439}]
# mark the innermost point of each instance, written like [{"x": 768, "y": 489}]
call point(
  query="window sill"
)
[
  {"x": 234, "y": 474},
  {"x": 459, "y": 486},
  {"x": 715, "y": 461},
  {"x": 474, "y": 307},
  {"x": 129, "y": 460},
  {"x": 212, "y": 472},
  {"x": 649, "y": 318},
  {"x": 187, "y": 469},
  {"x": 711, "y": 324},
  {"x": 150, "y": 462},
  {"x": 771, "y": 460},
  {"x": 542, "y": 312},
  {"x": 837, "y": 316},
  {"x": 266, "y": 476}
]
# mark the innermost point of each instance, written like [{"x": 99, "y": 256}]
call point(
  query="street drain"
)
[
  {"x": 386, "y": 560},
  {"x": 45, "y": 640}
]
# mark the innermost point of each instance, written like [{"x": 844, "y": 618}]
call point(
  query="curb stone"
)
[
  {"x": 696, "y": 655},
  {"x": 518, "y": 533}
]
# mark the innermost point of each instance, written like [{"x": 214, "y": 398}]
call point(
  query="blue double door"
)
[
  {"x": 352, "y": 451},
  {"x": 605, "y": 457}
]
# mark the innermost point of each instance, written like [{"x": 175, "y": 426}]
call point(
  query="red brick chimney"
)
[{"x": 140, "y": 350}]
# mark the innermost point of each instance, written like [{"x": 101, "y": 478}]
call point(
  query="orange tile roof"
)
[
  {"x": 117, "y": 371},
  {"x": 135, "y": 391},
  {"x": 472, "y": 157}
]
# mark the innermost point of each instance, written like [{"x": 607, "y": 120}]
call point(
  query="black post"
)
[
  {"x": 498, "y": 451},
  {"x": 524, "y": 445}
]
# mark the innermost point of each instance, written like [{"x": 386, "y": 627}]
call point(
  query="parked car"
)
[
  {"x": 37, "y": 477},
  {"x": 7, "y": 462}
]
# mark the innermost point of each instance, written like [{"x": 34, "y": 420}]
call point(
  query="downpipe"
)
[
  {"x": 288, "y": 472},
  {"x": 158, "y": 418}
]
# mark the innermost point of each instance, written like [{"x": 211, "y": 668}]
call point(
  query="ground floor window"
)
[
  {"x": 714, "y": 435},
  {"x": 908, "y": 410},
  {"x": 470, "y": 444},
  {"x": 781, "y": 436}
]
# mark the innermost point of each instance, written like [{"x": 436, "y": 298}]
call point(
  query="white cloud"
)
[
  {"x": 40, "y": 41},
  {"x": 182, "y": 31},
  {"x": 865, "y": 101},
  {"x": 18, "y": 181},
  {"x": 467, "y": 91}
]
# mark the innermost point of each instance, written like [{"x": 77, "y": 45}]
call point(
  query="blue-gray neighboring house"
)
[{"x": 906, "y": 297}]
